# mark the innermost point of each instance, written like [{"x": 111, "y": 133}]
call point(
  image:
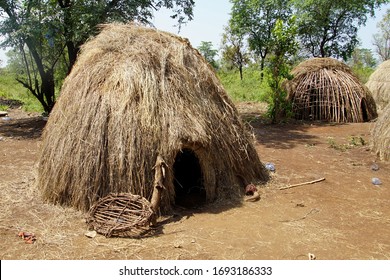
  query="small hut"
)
[
  {"x": 379, "y": 85},
  {"x": 381, "y": 135},
  {"x": 325, "y": 89},
  {"x": 134, "y": 95}
]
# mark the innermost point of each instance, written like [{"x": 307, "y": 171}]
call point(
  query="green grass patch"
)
[
  {"x": 13, "y": 90},
  {"x": 363, "y": 73},
  {"x": 353, "y": 141},
  {"x": 250, "y": 88},
  {"x": 4, "y": 107}
]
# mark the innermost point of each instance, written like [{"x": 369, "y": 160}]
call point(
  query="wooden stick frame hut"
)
[{"x": 325, "y": 89}]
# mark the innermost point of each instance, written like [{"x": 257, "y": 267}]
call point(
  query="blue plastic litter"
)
[
  {"x": 270, "y": 166},
  {"x": 6, "y": 118},
  {"x": 376, "y": 181}
]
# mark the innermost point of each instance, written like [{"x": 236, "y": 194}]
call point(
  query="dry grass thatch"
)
[
  {"x": 136, "y": 93},
  {"x": 381, "y": 135},
  {"x": 379, "y": 84},
  {"x": 325, "y": 89}
]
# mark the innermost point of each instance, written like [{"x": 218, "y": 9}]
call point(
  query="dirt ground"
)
[{"x": 343, "y": 217}]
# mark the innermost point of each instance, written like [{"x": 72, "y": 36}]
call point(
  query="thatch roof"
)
[
  {"x": 379, "y": 85},
  {"x": 381, "y": 135},
  {"x": 325, "y": 89},
  {"x": 133, "y": 94}
]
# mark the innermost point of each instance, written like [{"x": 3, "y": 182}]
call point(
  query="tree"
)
[
  {"x": 362, "y": 58},
  {"x": 255, "y": 19},
  {"x": 208, "y": 52},
  {"x": 49, "y": 33},
  {"x": 328, "y": 28},
  {"x": 362, "y": 63},
  {"x": 382, "y": 39},
  {"x": 284, "y": 47},
  {"x": 234, "y": 50}
]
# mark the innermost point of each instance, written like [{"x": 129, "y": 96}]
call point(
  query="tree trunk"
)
[
  {"x": 45, "y": 93},
  {"x": 72, "y": 54},
  {"x": 262, "y": 69},
  {"x": 48, "y": 90}
]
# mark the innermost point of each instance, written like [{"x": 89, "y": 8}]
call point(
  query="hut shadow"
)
[
  {"x": 157, "y": 229},
  {"x": 289, "y": 135},
  {"x": 278, "y": 136},
  {"x": 182, "y": 214},
  {"x": 285, "y": 136},
  {"x": 27, "y": 128}
]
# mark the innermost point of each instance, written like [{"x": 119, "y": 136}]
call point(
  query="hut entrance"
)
[
  {"x": 188, "y": 182},
  {"x": 363, "y": 106}
]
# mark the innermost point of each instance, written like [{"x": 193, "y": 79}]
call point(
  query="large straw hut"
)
[
  {"x": 379, "y": 85},
  {"x": 381, "y": 135},
  {"x": 133, "y": 95},
  {"x": 325, "y": 89}
]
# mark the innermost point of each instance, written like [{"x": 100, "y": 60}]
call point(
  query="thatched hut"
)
[
  {"x": 379, "y": 85},
  {"x": 381, "y": 135},
  {"x": 325, "y": 89},
  {"x": 134, "y": 94}
]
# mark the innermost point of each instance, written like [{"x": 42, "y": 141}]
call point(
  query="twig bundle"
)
[
  {"x": 325, "y": 89},
  {"x": 118, "y": 214}
]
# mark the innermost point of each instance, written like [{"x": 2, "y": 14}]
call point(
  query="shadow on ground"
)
[
  {"x": 285, "y": 135},
  {"x": 27, "y": 128}
]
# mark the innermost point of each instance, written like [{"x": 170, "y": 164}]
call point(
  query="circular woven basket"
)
[{"x": 121, "y": 214}]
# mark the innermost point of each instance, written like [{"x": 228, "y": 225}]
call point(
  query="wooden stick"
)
[
  {"x": 253, "y": 198},
  {"x": 301, "y": 184}
]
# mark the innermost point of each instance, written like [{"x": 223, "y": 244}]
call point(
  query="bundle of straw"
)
[{"x": 135, "y": 93}]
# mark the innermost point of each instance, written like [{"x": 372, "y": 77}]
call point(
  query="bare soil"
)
[{"x": 343, "y": 217}]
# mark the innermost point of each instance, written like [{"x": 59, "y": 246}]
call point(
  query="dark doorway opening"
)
[
  {"x": 188, "y": 181},
  {"x": 363, "y": 106}
]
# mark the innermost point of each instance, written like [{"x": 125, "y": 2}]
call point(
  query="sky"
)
[{"x": 210, "y": 17}]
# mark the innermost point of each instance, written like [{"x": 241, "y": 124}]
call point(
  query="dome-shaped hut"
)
[
  {"x": 379, "y": 85},
  {"x": 325, "y": 89},
  {"x": 381, "y": 135},
  {"x": 134, "y": 95}
]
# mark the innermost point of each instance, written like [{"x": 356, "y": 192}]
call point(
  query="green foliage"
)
[
  {"x": 362, "y": 57},
  {"x": 353, "y": 142},
  {"x": 356, "y": 141},
  {"x": 284, "y": 46},
  {"x": 234, "y": 52},
  {"x": 208, "y": 52},
  {"x": 382, "y": 39},
  {"x": 363, "y": 73},
  {"x": 255, "y": 19},
  {"x": 48, "y": 34},
  {"x": 12, "y": 90},
  {"x": 362, "y": 63},
  {"x": 248, "y": 89},
  {"x": 328, "y": 28}
]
